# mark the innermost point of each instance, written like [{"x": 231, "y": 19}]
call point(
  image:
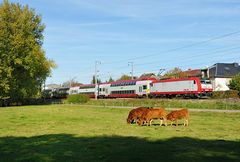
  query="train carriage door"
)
[
  {"x": 193, "y": 85},
  {"x": 106, "y": 91},
  {"x": 140, "y": 90}
]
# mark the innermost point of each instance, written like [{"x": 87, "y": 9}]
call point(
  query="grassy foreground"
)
[{"x": 75, "y": 133}]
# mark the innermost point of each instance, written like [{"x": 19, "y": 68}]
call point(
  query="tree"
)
[
  {"x": 110, "y": 79},
  {"x": 235, "y": 83},
  {"x": 71, "y": 83},
  {"x": 174, "y": 73},
  {"x": 24, "y": 66},
  {"x": 125, "y": 77},
  {"x": 93, "y": 80}
]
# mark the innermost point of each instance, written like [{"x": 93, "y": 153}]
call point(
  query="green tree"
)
[
  {"x": 110, "y": 79},
  {"x": 24, "y": 66},
  {"x": 125, "y": 77},
  {"x": 235, "y": 83},
  {"x": 93, "y": 80}
]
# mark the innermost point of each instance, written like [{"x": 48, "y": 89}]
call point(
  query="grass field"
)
[{"x": 76, "y": 133}]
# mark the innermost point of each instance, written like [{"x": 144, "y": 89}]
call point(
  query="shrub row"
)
[
  {"x": 225, "y": 94},
  {"x": 77, "y": 98}
]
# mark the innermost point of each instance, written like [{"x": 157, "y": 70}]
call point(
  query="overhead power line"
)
[
  {"x": 183, "y": 59},
  {"x": 178, "y": 48}
]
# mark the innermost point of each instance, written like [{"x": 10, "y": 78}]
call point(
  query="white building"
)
[{"x": 220, "y": 75}]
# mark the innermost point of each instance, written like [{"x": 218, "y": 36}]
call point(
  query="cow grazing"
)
[
  {"x": 151, "y": 114},
  {"x": 177, "y": 115},
  {"x": 134, "y": 114}
]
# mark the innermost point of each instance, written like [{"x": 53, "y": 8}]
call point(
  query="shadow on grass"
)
[{"x": 68, "y": 148}]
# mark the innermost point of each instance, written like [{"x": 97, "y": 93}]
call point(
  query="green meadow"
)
[{"x": 72, "y": 133}]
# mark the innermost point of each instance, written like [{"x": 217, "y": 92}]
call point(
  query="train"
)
[
  {"x": 187, "y": 87},
  {"x": 191, "y": 87}
]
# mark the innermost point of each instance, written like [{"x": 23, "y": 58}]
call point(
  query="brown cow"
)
[
  {"x": 151, "y": 114},
  {"x": 134, "y": 114},
  {"x": 177, "y": 115}
]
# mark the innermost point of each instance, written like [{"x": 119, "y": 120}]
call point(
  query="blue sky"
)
[{"x": 115, "y": 32}]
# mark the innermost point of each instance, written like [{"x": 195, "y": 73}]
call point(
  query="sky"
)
[{"x": 148, "y": 34}]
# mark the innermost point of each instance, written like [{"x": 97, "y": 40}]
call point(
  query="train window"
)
[
  {"x": 208, "y": 82},
  {"x": 144, "y": 87}
]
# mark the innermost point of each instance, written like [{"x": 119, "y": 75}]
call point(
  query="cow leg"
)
[
  {"x": 186, "y": 122},
  {"x": 165, "y": 122},
  {"x": 161, "y": 122},
  {"x": 150, "y": 122}
]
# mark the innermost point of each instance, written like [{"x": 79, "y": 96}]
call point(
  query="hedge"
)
[
  {"x": 77, "y": 98},
  {"x": 225, "y": 94}
]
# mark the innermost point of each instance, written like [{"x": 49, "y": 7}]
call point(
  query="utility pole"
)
[
  {"x": 96, "y": 78},
  {"x": 131, "y": 63}
]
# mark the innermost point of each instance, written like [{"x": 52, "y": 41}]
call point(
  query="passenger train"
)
[{"x": 150, "y": 87}]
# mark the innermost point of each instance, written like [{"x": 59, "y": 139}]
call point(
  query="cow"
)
[
  {"x": 151, "y": 114},
  {"x": 177, "y": 115},
  {"x": 134, "y": 114}
]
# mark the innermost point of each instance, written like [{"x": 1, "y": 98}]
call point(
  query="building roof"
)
[
  {"x": 193, "y": 73},
  {"x": 52, "y": 86},
  {"x": 147, "y": 75},
  {"x": 224, "y": 70}
]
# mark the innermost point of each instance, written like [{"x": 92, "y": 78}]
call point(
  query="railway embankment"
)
[{"x": 197, "y": 104}]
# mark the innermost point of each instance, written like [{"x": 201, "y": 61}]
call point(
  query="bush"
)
[
  {"x": 235, "y": 83},
  {"x": 77, "y": 98},
  {"x": 225, "y": 94}
]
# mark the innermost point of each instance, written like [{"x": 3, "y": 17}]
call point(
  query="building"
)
[
  {"x": 220, "y": 75},
  {"x": 52, "y": 86},
  {"x": 147, "y": 75}
]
